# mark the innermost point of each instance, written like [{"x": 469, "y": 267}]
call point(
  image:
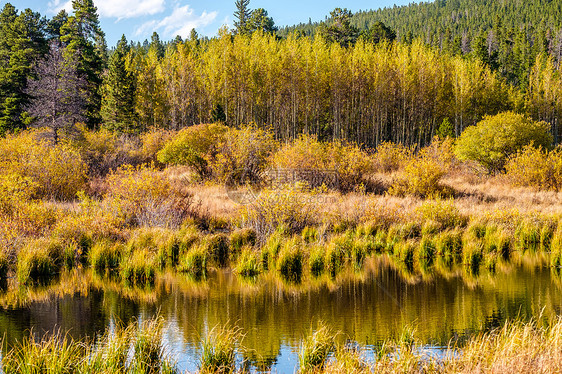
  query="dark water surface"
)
[{"x": 367, "y": 308}]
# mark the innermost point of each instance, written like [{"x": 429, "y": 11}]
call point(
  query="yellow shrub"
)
[
  {"x": 152, "y": 142},
  {"x": 391, "y": 157},
  {"x": 351, "y": 164},
  {"x": 145, "y": 196},
  {"x": 58, "y": 171},
  {"x": 536, "y": 168},
  {"x": 421, "y": 177},
  {"x": 243, "y": 155}
]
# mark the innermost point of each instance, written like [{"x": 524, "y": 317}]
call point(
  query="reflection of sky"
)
[{"x": 375, "y": 306}]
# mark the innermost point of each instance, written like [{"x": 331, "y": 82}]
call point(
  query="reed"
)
[
  {"x": 290, "y": 261},
  {"x": 40, "y": 259},
  {"x": 105, "y": 256},
  {"x": 315, "y": 350},
  {"x": 194, "y": 262},
  {"x": 218, "y": 350},
  {"x": 248, "y": 264}
]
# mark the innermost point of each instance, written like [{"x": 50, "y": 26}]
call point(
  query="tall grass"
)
[
  {"x": 218, "y": 350},
  {"x": 315, "y": 350}
]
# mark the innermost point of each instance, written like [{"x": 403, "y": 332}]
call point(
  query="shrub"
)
[
  {"x": 195, "y": 147},
  {"x": 494, "y": 139},
  {"x": 391, "y": 157},
  {"x": 243, "y": 155},
  {"x": 536, "y": 168},
  {"x": 288, "y": 208},
  {"x": 57, "y": 171},
  {"x": 442, "y": 213},
  {"x": 146, "y": 197},
  {"x": 310, "y": 158},
  {"x": 105, "y": 151},
  {"x": 421, "y": 177},
  {"x": 153, "y": 141}
]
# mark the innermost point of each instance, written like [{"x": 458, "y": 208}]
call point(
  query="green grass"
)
[
  {"x": 194, "y": 262},
  {"x": 218, "y": 350},
  {"x": 105, "y": 256},
  {"x": 290, "y": 262},
  {"x": 138, "y": 268},
  {"x": 316, "y": 261},
  {"x": 248, "y": 264},
  {"x": 315, "y": 350},
  {"x": 39, "y": 259}
]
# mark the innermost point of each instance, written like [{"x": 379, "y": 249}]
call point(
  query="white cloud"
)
[
  {"x": 182, "y": 20},
  {"x": 56, "y": 6},
  {"x": 129, "y": 8},
  {"x": 116, "y": 8}
]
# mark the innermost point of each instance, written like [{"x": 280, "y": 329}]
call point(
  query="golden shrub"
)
[
  {"x": 243, "y": 154},
  {"x": 536, "y": 168},
  {"x": 421, "y": 177},
  {"x": 391, "y": 157},
  {"x": 348, "y": 160},
  {"x": 58, "y": 171}
]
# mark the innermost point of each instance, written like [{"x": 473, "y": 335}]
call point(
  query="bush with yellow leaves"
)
[
  {"x": 57, "y": 171},
  {"x": 351, "y": 164},
  {"x": 391, "y": 157},
  {"x": 243, "y": 154},
  {"x": 536, "y": 168},
  {"x": 144, "y": 196},
  {"x": 195, "y": 147},
  {"x": 288, "y": 208},
  {"x": 421, "y": 177}
]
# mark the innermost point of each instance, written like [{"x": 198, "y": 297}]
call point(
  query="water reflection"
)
[{"x": 368, "y": 308}]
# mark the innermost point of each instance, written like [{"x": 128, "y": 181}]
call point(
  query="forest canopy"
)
[{"x": 365, "y": 77}]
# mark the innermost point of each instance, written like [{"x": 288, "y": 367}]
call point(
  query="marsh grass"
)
[
  {"x": 317, "y": 261},
  {"x": 315, "y": 350},
  {"x": 139, "y": 268},
  {"x": 136, "y": 348},
  {"x": 39, "y": 260},
  {"x": 290, "y": 262},
  {"x": 194, "y": 262},
  {"x": 218, "y": 350},
  {"x": 105, "y": 256},
  {"x": 248, "y": 264}
]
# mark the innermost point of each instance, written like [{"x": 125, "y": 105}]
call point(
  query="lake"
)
[{"x": 367, "y": 307}]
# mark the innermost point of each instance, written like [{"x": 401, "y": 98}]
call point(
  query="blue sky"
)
[{"x": 137, "y": 19}]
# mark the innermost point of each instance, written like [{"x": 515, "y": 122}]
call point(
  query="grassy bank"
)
[{"x": 515, "y": 347}]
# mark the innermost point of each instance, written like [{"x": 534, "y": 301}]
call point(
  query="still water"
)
[{"x": 368, "y": 307}]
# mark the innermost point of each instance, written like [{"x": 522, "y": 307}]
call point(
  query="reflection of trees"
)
[{"x": 367, "y": 309}]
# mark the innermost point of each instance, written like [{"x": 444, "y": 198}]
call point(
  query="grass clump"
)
[
  {"x": 315, "y": 350},
  {"x": 105, "y": 256},
  {"x": 55, "y": 354},
  {"x": 218, "y": 249},
  {"x": 248, "y": 263},
  {"x": 219, "y": 350},
  {"x": 241, "y": 238},
  {"x": 194, "y": 262},
  {"x": 317, "y": 261},
  {"x": 290, "y": 261},
  {"x": 528, "y": 236},
  {"x": 38, "y": 260},
  {"x": 139, "y": 267}
]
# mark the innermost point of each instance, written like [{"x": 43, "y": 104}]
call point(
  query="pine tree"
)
[
  {"x": 259, "y": 20},
  {"x": 22, "y": 43},
  {"x": 242, "y": 15},
  {"x": 83, "y": 38},
  {"x": 58, "y": 96},
  {"x": 118, "y": 90},
  {"x": 55, "y": 25}
]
